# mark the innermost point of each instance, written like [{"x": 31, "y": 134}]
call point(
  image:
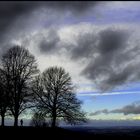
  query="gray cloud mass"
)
[
  {"x": 49, "y": 44},
  {"x": 110, "y": 47},
  {"x": 86, "y": 45},
  {"x": 99, "y": 112},
  {"x": 133, "y": 108},
  {"x": 112, "y": 60},
  {"x": 10, "y": 11},
  {"x": 16, "y": 18}
]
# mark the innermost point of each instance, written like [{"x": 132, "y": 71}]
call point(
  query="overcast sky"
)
[{"x": 96, "y": 42}]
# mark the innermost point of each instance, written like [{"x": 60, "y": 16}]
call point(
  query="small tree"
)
[
  {"x": 19, "y": 68},
  {"x": 55, "y": 96},
  {"x": 38, "y": 120}
]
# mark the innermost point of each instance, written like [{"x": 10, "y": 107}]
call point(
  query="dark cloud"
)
[
  {"x": 111, "y": 41},
  {"x": 86, "y": 45},
  {"x": 76, "y": 7},
  {"x": 106, "y": 43},
  {"x": 133, "y": 108},
  {"x": 111, "y": 60},
  {"x": 17, "y": 18},
  {"x": 128, "y": 74},
  {"x": 99, "y": 112},
  {"x": 49, "y": 44},
  {"x": 103, "y": 67},
  {"x": 10, "y": 11},
  {"x": 129, "y": 109}
]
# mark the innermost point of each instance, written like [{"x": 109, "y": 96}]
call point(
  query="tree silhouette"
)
[
  {"x": 4, "y": 97},
  {"x": 38, "y": 119},
  {"x": 55, "y": 96},
  {"x": 19, "y": 67}
]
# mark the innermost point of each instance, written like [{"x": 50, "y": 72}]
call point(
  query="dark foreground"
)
[{"x": 67, "y": 134}]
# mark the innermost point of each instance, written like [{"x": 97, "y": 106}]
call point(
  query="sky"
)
[{"x": 96, "y": 42}]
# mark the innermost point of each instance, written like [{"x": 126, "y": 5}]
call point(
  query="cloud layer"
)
[
  {"x": 17, "y": 19},
  {"x": 108, "y": 54},
  {"x": 133, "y": 108}
]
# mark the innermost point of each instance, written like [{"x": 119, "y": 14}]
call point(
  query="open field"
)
[{"x": 69, "y": 134}]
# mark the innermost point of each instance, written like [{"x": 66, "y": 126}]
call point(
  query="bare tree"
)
[
  {"x": 38, "y": 119},
  {"x": 19, "y": 68},
  {"x": 4, "y": 97},
  {"x": 55, "y": 96}
]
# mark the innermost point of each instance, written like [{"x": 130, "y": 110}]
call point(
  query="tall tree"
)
[
  {"x": 55, "y": 96},
  {"x": 19, "y": 67},
  {"x": 4, "y": 97}
]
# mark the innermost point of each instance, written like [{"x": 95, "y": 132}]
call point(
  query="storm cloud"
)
[
  {"x": 110, "y": 53},
  {"x": 77, "y": 7},
  {"x": 110, "y": 48},
  {"x": 133, "y": 108},
  {"x": 10, "y": 11},
  {"x": 112, "y": 60},
  {"x": 49, "y": 43},
  {"x": 86, "y": 45},
  {"x": 18, "y": 18}
]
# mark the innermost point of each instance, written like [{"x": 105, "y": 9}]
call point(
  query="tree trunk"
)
[
  {"x": 53, "y": 120},
  {"x": 16, "y": 120},
  {"x": 2, "y": 120}
]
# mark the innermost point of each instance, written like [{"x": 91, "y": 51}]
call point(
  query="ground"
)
[{"x": 62, "y": 134}]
